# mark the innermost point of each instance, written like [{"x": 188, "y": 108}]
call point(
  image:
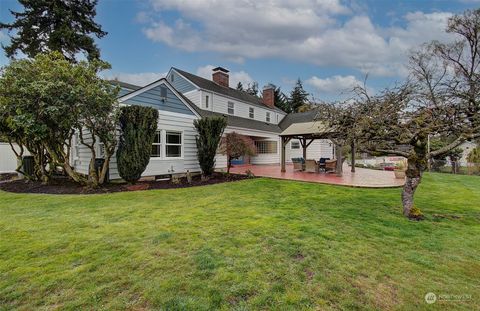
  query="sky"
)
[{"x": 330, "y": 45}]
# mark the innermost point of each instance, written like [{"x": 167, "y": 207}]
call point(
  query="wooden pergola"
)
[{"x": 306, "y": 133}]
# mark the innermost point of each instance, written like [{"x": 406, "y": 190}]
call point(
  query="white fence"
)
[{"x": 8, "y": 160}]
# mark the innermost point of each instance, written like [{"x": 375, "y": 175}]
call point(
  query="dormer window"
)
[
  {"x": 231, "y": 108},
  {"x": 267, "y": 117},
  {"x": 251, "y": 112}
]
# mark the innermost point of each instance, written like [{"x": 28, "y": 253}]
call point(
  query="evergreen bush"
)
[
  {"x": 210, "y": 131},
  {"x": 138, "y": 126}
]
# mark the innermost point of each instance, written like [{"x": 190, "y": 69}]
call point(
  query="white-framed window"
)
[
  {"x": 266, "y": 146},
  {"x": 173, "y": 144},
  {"x": 267, "y": 117},
  {"x": 207, "y": 101},
  {"x": 231, "y": 108},
  {"x": 251, "y": 112},
  {"x": 157, "y": 145},
  {"x": 172, "y": 78},
  {"x": 294, "y": 144}
]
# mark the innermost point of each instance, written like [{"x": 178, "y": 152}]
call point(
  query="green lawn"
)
[{"x": 254, "y": 244}]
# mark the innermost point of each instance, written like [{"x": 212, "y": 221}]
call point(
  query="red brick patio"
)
[{"x": 361, "y": 178}]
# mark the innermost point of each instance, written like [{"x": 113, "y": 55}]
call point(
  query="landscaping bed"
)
[{"x": 66, "y": 186}]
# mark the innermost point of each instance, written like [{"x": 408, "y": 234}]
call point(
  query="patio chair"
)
[
  {"x": 321, "y": 163},
  {"x": 311, "y": 166},
  {"x": 298, "y": 164},
  {"x": 330, "y": 165}
]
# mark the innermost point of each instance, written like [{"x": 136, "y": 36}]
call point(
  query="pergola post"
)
[
  {"x": 303, "y": 141},
  {"x": 285, "y": 141}
]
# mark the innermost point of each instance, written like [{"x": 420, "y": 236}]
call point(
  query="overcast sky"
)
[{"x": 329, "y": 44}]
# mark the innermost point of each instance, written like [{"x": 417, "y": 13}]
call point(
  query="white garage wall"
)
[{"x": 8, "y": 160}]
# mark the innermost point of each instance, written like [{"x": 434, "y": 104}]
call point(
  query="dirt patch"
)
[{"x": 66, "y": 186}]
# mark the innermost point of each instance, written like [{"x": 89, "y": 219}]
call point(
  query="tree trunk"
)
[
  {"x": 339, "y": 156},
  {"x": 353, "y": 150},
  {"x": 413, "y": 173},
  {"x": 103, "y": 172},
  {"x": 229, "y": 164},
  {"x": 411, "y": 184}
]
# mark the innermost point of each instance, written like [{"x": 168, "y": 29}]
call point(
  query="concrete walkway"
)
[{"x": 367, "y": 178}]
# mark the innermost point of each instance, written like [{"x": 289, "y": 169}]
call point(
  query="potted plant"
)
[{"x": 400, "y": 168}]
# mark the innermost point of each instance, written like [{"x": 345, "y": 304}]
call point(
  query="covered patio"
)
[
  {"x": 340, "y": 173},
  {"x": 362, "y": 177}
]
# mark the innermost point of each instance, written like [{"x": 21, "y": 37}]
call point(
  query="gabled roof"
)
[
  {"x": 298, "y": 117},
  {"x": 235, "y": 121},
  {"x": 125, "y": 85},
  {"x": 232, "y": 121},
  {"x": 209, "y": 85}
]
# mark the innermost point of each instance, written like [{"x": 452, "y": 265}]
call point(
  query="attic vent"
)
[{"x": 163, "y": 92}]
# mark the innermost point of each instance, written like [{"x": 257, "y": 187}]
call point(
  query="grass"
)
[{"x": 254, "y": 244}]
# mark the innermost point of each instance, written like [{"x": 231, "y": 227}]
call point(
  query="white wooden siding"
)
[
  {"x": 320, "y": 148},
  {"x": 8, "y": 159}
]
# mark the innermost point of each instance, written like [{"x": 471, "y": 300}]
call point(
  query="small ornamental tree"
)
[
  {"x": 210, "y": 131},
  {"x": 138, "y": 126},
  {"x": 44, "y": 100},
  {"x": 235, "y": 146}
]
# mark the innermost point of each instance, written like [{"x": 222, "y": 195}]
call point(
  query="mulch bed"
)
[
  {"x": 7, "y": 176},
  {"x": 66, "y": 186}
]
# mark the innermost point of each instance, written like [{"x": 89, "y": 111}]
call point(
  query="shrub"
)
[
  {"x": 210, "y": 131},
  {"x": 235, "y": 145},
  {"x": 138, "y": 126}
]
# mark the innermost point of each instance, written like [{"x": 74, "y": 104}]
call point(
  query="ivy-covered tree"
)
[
  {"x": 235, "y": 145},
  {"x": 298, "y": 97},
  {"x": 138, "y": 126},
  {"x": 54, "y": 25},
  {"x": 210, "y": 131}
]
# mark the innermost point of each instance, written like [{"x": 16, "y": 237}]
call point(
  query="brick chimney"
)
[
  {"x": 220, "y": 76},
  {"x": 269, "y": 95}
]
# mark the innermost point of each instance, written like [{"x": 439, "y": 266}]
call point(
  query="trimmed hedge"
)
[{"x": 138, "y": 126}]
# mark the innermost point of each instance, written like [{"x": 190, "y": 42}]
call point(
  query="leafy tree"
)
[
  {"x": 252, "y": 88},
  {"x": 455, "y": 154},
  {"x": 138, "y": 126},
  {"x": 240, "y": 86},
  {"x": 298, "y": 97},
  {"x": 210, "y": 131},
  {"x": 99, "y": 119},
  {"x": 43, "y": 101},
  {"x": 235, "y": 145},
  {"x": 65, "y": 26}
]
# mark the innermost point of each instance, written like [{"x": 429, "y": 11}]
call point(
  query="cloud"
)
[
  {"x": 140, "y": 79},
  {"x": 324, "y": 33},
  {"x": 335, "y": 84},
  {"x": 235, "y": 76}
]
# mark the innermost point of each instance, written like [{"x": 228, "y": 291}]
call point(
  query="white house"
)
[{"x": 181, "y": 98}]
